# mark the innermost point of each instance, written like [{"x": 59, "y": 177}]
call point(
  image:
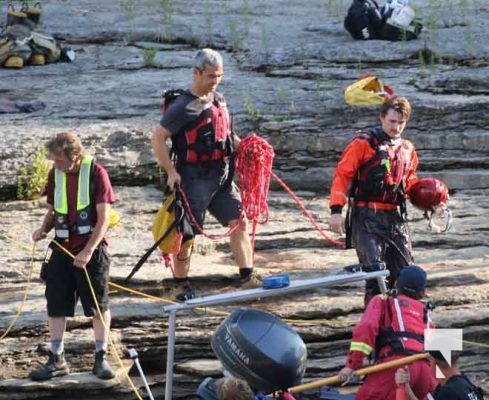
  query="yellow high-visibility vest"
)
[{"x": 83, "y": 206}]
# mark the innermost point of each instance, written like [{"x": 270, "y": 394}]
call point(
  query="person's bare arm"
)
[
  {"x": 402, "y": 378},
  {"x": 46, "y": 226},
  {"x": 162, "y": 154}
]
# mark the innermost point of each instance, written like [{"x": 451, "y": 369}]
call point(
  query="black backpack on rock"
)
[{"x": 364, "y": 20}]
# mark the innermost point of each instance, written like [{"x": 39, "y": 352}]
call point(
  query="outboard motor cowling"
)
[{"x": 260, "y": 348}]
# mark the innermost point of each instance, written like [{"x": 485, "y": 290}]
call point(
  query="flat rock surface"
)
[{"x": 288, "y": 244}]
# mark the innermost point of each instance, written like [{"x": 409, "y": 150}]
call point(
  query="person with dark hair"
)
[
  {"x": 453, "y": 386},
  {"x": 231, "y": 388},
  {"x": 199, "y": 126},
  {"x": 392, "y": 327},
  {"x": 373, "y": 176},
  {"x": 79, "y": 194}
]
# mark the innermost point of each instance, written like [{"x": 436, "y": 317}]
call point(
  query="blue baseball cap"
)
[{"x": 412, "y": 279}]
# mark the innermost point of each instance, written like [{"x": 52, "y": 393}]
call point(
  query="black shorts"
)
[
  {"x": 208, "y": 189},
  {"x": 65, "y": 284}
]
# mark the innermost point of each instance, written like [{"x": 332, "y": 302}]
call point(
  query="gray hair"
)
[{"x": 207, "y": 57}]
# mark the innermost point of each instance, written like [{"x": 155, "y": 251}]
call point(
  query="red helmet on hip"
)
[{"x": 428, "y": 193}]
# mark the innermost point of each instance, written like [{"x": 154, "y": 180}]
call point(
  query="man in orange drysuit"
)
[
  {"x": 392, "y": 327},
  {"x": 375, "y": 171}
]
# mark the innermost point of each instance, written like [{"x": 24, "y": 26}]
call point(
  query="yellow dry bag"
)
[{"x": 366, "y": 91}]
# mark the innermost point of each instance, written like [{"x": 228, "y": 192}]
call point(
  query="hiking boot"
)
[
  {"x": 180, "y": 291},
  {"x": 183, "y": 292},
  {"x": 251, "y": 282},
  {"x": 353, "y": 268},
  {"x": 56, "y": 366},
  {"x": 101, "y": 368}
]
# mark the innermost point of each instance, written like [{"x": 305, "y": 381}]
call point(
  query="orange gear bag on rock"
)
[{"x": 366, "y": 91}]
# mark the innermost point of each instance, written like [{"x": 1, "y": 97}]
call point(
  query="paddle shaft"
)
[{"x": 334, "y": 380}]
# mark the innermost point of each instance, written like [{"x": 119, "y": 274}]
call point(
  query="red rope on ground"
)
[
  {"x": 307, "y": 213},
  {"x": 254, "y": 169}
]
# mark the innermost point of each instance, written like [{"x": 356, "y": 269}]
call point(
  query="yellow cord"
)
[
  {"x": 18, "y": 244},
  {"x": 26, "y": 293},
  {"x": 131, "y": 383},
  {"x": 168, "y": 301}
]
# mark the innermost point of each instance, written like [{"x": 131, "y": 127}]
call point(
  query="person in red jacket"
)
[
  {"x": 376, "y": 170},
  {"x": 392, "y": 327}
]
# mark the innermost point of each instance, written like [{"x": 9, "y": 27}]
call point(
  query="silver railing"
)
[{"x": 252, "y": 294}]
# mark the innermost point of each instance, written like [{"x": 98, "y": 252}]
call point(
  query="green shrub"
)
[{"x": 33, "y": 176}]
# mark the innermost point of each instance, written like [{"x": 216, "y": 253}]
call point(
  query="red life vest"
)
[
  {"x": 206, "y": 138},
  {"x": 381, "y": 179},
  {"x": 404, "y": 325}
]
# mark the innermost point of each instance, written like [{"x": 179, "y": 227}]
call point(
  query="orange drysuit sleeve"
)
[{"x": 357, "y": 152}]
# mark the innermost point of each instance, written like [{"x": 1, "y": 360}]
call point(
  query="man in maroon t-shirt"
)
[{"x": 79, "y": 194}]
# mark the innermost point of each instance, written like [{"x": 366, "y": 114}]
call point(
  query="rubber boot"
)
[
  {"x": 101, "y": 368},
  {"x": 56, "y": 366}
]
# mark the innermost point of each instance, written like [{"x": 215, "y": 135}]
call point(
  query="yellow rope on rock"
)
[
  {"x": 24, "y": 298},
  {"x": 121, "y": 364}
]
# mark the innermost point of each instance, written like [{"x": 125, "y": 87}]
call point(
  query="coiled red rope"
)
[
  {"x": 254, "y": 159},
  {"x": 254, "y": 168}
]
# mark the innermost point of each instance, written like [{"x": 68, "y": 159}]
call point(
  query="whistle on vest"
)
[{"x": 388, "y": 179}]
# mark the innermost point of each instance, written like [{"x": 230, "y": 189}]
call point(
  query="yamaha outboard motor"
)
[{"x": 261, "y": 349}]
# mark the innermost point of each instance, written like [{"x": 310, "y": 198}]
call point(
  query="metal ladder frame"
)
[{"x": 252, "y": 294}]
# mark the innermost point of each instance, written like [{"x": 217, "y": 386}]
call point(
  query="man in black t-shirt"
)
[
  {"x": 199, "y": 125},
  {"x": 454, "y": 385}
]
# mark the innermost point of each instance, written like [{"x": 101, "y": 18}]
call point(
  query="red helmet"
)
[{"x": 428, "y": 193}]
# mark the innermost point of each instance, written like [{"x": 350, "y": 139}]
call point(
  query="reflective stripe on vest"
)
[
  {"x": 405, "y": 332},
  {"x": 83, "y": 209}
]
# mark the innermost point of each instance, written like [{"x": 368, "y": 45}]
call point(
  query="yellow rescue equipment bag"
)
[
  {"x": 171, "y": 230},
  {"x": 171, "y": 227},
  {"x": 164, "y": 227},
  {"x": 367, "y": 90},
  {"x": 114, "y": 218}
]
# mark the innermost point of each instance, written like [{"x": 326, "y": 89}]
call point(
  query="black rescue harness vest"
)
[
  {"x": 207, "y": 137},
  {"x": 382, "y": 178}
]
